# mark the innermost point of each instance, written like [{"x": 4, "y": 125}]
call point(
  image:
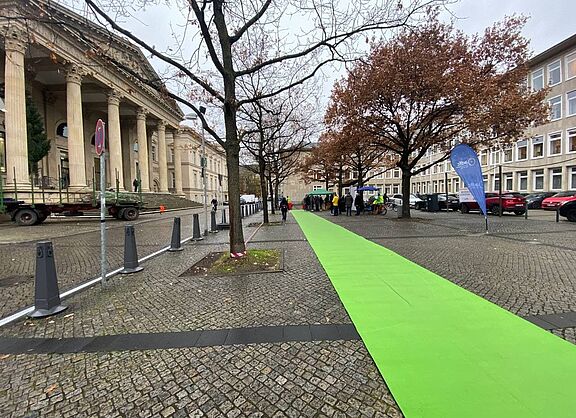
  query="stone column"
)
[
  {"x": 177, "y": 143},
  {"x": 15, "y": 117},
  {"x": 142, "y": 149},
  {"x": 74, "y": 120},
  {"x": 114, "y": 140},
  {"x": 162, "y": 162}
]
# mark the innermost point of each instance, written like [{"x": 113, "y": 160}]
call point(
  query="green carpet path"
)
[{"x": 443, "y": 351}]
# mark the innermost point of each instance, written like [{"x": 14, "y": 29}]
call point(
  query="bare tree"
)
[{"x": 224, "y": 36}]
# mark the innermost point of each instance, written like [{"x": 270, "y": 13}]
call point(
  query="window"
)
[
  {"x": 556, "y": 179},
  {"x": 456, "y": 185},
  {"x": 172, "y": 155},
  {"x": 554, "y": 76},
  {"x": 507, "y": 155},
  {"x": 571, "y": 102},
  {"x": 508, "y": 182},
  {"x": 522, "y": 150},
  {"x": 495, "y": 157},
  {"x": 484, "y": 158},
  {"x": 396, "y": 173},
  {"x": 485, "y": 181},
  {"x": 153, "y": 152},
  {"x": 435, "y": 186},
  {"x": 523, "y": 180},
  {"x": 572, "y": 140},
  {"x": 395, "y": 189},
  {"x": 539, "y": 180},
  {"x": 537, "y": 147},
  {"x": 62, "y": 130},
  {"x": 555, "y": 108},
  {"x": 173, "y": 177},
  {"x": 496, "y": 182},
  {"x": 554, "y": 143},
  {"x": 537, "y": 79},
  {"x": 573, "y": 177},
  {"x": 571, "y": 65}
]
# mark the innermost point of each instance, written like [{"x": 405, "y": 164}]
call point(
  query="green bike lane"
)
[{"x": 443, "y": 351}]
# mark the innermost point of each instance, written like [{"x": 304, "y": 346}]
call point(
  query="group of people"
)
[{"x": 338, "y": 205}]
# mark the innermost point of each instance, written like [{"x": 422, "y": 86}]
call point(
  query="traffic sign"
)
[{"x": 99, "y": 137}]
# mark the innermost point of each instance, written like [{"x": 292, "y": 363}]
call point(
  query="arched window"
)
[{"x": 62, "y": 130}]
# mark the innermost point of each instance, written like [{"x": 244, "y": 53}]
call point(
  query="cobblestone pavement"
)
[
  {"x": 336, "y": 378},
  {"x": 524, "y": 266},
  {"x": 76, "y": 248}
]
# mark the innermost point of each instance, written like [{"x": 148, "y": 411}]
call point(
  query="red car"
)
[
  {"x": 554, "y": 202},
  {"x": 511, "y": 202}
]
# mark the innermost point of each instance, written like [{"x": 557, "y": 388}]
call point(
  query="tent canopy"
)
[{"x": 319, "y": 192}]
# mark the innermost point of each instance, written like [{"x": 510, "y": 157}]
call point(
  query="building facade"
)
[{"x": 77, "y": 72}]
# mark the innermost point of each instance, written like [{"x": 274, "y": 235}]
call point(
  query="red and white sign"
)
[{"x": 99, "y": 137}]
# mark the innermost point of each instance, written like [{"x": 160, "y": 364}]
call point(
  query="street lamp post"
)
[{"x": 192, "y": 116}]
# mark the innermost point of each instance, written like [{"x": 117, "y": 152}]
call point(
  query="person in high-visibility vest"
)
[
  {"x": 335, "y": 205},
  {"x": 378, "y": 203}
]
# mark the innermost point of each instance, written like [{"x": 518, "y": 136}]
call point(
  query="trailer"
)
[{"x": 27, "y": 214}]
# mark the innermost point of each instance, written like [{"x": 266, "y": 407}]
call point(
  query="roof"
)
[{"x": 557, "y": 49}]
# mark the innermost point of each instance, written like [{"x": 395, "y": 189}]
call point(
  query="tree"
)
[
  {"x": 272, "y": 131},
  {"x": 38, "y": 142},
  {"x": 302, "y": 35},
  {"x": 431, "y": 85},
  {"x": 319, "y": 164}
]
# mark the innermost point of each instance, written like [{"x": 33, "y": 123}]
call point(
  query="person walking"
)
[
  {"x": 284, "y": 208},
  {"x": 358, "y": 202},
  {"x": 348, "y": 203},
  {"x": 214, "y": 204},
  {"x": 335, "y": 204},
  {"x": 317, "y": 202},
  {"x": 135, "y": 184}
]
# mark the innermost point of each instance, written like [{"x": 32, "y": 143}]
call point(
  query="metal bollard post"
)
[
  {"x": 130, "y": 252},
  {"x": 241, "y": 211},
  {"x": 196, "y": 228},
  {"x": 526, "y": 211},
  {"x": 47, "y": 294},
  {"x": 224, "y": 216},
  {"x": 175, "y": 243},
  {"x": 213, "y": 228},
  {"x": 558, "y": 215}
]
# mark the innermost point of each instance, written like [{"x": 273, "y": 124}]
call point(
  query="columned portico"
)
[
  {"x": 114, "y": 139},
  {"x": 142, "y": 149},
  {"x": 15, "y": 94},
  {"x": 74, "y": 119},
  {"x": 177, "y": 162},
  {"x": 163, "y": 165}
]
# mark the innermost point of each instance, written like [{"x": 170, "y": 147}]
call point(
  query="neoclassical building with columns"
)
[{"x": 77, "y": 72}]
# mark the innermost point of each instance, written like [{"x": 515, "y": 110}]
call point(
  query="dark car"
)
[
  {"x": 453, "y": 202},
  {"x": 534, "y": 200},
  {"x": 511, "y": 202},
  {"x": 568, "y": 210}
]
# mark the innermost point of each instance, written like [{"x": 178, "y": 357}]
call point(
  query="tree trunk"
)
[
  {"x": 263, "y": 188},
  {"x": 276, "y": 189},
  {"x": 272, "y": 196},
  {"x": 406, "y": 177},
  {"x": 237, "y": 244}
]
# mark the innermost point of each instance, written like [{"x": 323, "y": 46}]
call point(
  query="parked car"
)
[
  {"x": 414, "y": 200},
  {"x": 511, "y": 202},
  {"x": 554, "y": 202},
  {"x": 534, "y": 200},
  {"x": 453, "y": 202},
  {"x": 568, "y": 210}
]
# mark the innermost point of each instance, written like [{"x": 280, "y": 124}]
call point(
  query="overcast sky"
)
[{"x": 551, "y": 21}]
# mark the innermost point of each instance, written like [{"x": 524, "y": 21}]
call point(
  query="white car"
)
[{"x": 397, "y": 200}]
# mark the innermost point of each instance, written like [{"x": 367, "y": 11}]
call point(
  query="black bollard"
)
[
  {"x": 241, "y": 211},
  {"x": 224, "y": 216},
  {"x": 196, "y": 228},
  {"x": 175, "y": 243},
  {"x": 213, "y": 227},
  {"x": 47, "y": 294},
  {"x": 130, "y": 252}
]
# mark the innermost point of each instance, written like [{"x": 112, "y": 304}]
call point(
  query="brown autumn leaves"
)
[{"x": 425, "y": 87}]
